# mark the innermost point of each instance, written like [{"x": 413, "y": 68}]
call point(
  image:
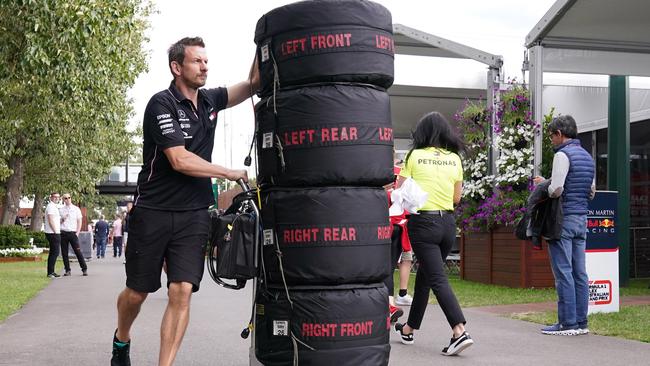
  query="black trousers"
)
[
  {"x": 55, "y": 246},
  {"x": 432, "y": 237},
  {"x": 117, "y": 246},
  {"x": 70, "y": 237},
  {"x": 395, "y": 252}
]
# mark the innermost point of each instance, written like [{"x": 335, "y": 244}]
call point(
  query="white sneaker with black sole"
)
[
  {"x": 404, "y": 338},
  {"x": 405, "y": 300},
  {"x": 457, "y": 345}
]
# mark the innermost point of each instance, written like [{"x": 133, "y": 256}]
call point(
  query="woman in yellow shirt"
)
[{"x": 433, "y": 163}]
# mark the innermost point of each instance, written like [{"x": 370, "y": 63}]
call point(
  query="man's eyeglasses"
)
[{"x": 66, "y": 198}]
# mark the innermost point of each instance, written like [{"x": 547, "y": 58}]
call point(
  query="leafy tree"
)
[
  {"x": 101, "y": 205},
  {"x": 65, "y": 68}
]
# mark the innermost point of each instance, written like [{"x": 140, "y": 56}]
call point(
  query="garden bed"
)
[
  {"x": 20, "y": 259},
  {"x": 497, "y": 257}
]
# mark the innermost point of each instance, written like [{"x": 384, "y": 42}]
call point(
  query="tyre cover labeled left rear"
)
[
  {"x": 348, "y": 326},
  {"x": 326, "y": 236},
  {"x": 337, "y": 134}
]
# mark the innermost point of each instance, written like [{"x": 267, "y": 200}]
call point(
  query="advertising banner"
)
[{"x": 602, "y": 253}]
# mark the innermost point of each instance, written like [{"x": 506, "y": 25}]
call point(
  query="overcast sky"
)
[{"x": 497, "y": 27}]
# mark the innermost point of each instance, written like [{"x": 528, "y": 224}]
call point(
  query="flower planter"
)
[
  {"x": 499, "y": 258},
  {"x": 20, "y": 259}
]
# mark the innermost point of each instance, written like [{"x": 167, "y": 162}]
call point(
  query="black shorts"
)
[{"x": 175, "y": 237}]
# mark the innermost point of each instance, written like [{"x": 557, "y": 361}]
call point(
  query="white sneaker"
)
[
  {"x": 457, "y": 345},
  {"x": 405, "y": 300}
]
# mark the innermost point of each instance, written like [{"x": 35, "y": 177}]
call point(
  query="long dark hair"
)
[{"x": 434, "y": 130}]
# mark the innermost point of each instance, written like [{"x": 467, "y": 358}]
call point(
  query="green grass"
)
[
  {"x": 631, "y": 322},
  {"x": 637, "y": 287},
  {"x": 472, "y": 294},
  {"x": 19, "y": 282}
]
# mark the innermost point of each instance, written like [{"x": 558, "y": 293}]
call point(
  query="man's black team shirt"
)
[{"x": 170, "y": 120}]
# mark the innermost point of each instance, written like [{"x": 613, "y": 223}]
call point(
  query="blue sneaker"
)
[{"x": 558, "y": 329}]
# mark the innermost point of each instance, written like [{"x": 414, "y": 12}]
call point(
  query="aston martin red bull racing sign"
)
[{"x": 602, "y": 253}]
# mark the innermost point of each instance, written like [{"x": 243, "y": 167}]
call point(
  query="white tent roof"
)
[
  {"x": 595, "y": 37},
  {"x": 587, "y": 37}
]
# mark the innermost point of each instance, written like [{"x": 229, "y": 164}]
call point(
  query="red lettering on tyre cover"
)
[
  {"x": 331, "y": 41},
  {"x": 353, "y": 133},
  {"x": 293, "y": 46},
  {"x": 384, "y": 232},
  {"x": 324, "y": 41},
  {"x": 385, "y": 43},
  {"x": 325, "y": 135},
  {"x": 385, "y": 134},
  {"x": 319, "y": 330},
  {"x": 335, "y": 134},
  {"x": 356, "y": 329},
  {"x": 300, "y": 137},
  {"x": 339, "y": 40}
]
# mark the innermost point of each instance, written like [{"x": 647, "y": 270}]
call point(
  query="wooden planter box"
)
[
  {"x": 20, "y": 259},
  {"x": 499, "y": 258}
]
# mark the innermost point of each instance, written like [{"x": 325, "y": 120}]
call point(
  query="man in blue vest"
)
[{"x": 572, "y": 179}]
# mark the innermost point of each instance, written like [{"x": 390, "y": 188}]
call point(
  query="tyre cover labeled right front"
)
[
  {"x": 338, "y": 134},
  {"x": 325, "y": 41},
  {"x": 332, "y": 327},
  {"x": 326, "y": 236}
]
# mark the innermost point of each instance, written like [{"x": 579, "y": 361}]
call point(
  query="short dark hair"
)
[
  {"x": 565, "y": 124},
  {"x": 176, "y": 52}
]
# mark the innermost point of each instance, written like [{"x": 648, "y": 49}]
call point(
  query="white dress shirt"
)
[{"x": 69, "y": 215}]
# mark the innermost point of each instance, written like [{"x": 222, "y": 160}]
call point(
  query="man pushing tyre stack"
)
[{"x": 324, "y": 148}]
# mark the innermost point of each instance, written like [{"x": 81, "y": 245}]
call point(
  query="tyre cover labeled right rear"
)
[
  {"x": 343, "y": 326},
  {"x": 325, "y": 41},
  {"x": 338, "y": 134},
  {"x": 326, "y": 236}
]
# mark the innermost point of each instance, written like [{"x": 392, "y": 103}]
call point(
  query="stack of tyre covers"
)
[{"x": 324, "y": 148}]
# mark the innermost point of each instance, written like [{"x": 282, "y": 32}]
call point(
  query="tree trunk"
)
[
  {"x": 37, "y": 213},
  {"x": 13, "y": 190}
]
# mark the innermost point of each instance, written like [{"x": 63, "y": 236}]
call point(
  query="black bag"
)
[
  {"x": 231, "y": 250},
  {"x": 325, "y": 41},
  {"x": 342, "y": 325},
  {"x": 326, "y": 236},
  {"x": 234, "y": 242},
  {"x": 325, "y": 135}
]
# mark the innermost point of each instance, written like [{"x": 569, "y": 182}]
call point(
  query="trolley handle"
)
[{"x": 243, "y": 185}]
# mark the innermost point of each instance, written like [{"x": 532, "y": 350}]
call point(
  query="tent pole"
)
[{"x": 536, "y": 88}]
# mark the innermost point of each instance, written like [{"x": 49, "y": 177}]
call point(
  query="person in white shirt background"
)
[
  {"x": 116, "y": 236},
  {"x": 70, "y": 227},
  {"x": 53, "y": 232}
]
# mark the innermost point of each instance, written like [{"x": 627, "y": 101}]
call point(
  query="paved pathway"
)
[{"x": 71, "y": 322}]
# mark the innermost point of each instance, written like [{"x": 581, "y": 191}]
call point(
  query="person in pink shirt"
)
[{"x": 116, "y": 236}]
